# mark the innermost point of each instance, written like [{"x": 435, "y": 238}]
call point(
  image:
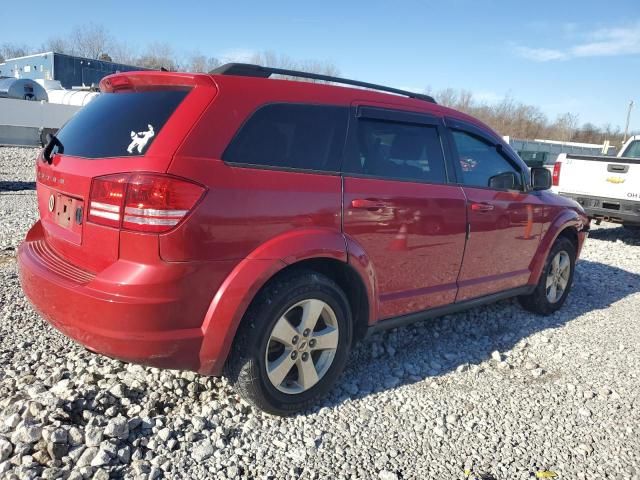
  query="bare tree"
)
[
  {"x": 88, "y": 41},
  {"x": 272, "y": 59},
  {"x": 519, "y": 120},
  {"x": 447, "y": 97},
  {"x": 159, "y": 55},
  {"x": 14, "y": 50},
  {"x": 199, "y": 63},
  {"x": 565, "y": 126},
  {"x": 57, "y": 44},
  {"x": 91, "y": 40},
  {"x": 121, "y": 52}
]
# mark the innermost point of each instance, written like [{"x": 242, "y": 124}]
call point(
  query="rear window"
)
[
  {"x": 119, "y": 124},
  {"x": 633, "y": 150},
  {"x": 282, "y": 135}
]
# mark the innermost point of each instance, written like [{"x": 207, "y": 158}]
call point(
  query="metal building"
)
[
  {"x": 70, "y": 71},
  {"x": 538, "y": 152}
]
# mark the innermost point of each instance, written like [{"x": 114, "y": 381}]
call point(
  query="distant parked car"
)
[{"x": 232, "y": 223}]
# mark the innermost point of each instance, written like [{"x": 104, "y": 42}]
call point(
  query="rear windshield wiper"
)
[{"x": 52, "y": 142}]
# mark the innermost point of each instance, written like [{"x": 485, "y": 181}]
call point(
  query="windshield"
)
[
  {"x": 119, "y": 124},
  {"x": 633, "y": 150}
]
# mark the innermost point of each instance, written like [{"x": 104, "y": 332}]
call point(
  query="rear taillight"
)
[
  {"x": 556, "y": 174},
  {"x": 106, "y": 199},
  {"x": 141, "y": 202}
]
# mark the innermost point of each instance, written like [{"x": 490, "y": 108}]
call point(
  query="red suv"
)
[{"x": 232, "y": 223}]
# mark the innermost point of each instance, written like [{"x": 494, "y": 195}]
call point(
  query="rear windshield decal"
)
[{"x": 139, "y": 140}]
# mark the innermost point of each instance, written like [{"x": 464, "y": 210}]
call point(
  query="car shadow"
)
[
  {"x": 433, "y": 348},
  {"x": 628, "y": 236},
  {"x": 16, "y": 186}
]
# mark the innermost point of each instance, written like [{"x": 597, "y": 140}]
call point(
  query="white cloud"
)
[
  {"x": 237, "y": 55},
  {"x": 540, "y": 54},
  {"x": 602, "y": 42},
  {"x": 611, "y": 41}
]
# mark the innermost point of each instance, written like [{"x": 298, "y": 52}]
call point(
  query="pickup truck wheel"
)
[
  {"x": 292, "y": 343},
  {"x": 555, "y": 281}
]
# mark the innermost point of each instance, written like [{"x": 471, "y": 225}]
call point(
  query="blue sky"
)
[{"x": 581, "y": 56}]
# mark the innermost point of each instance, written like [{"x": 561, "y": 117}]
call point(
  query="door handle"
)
[
  {"x": 368, "y": 204},
  {"x": 481, "y": 207}
]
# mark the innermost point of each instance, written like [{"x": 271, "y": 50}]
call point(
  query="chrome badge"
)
[{"x": 52, "y": 202}]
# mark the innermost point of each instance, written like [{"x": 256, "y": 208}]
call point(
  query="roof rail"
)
[{"x": 250, "y": 70}]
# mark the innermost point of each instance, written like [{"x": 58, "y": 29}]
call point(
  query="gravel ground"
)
[{"x": 491, "y": 393}]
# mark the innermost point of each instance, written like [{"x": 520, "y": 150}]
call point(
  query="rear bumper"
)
[
  {"x": 149, "y": 325},
  {"x": 610, "y": 209}
]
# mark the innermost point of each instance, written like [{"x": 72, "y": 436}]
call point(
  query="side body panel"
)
[
  {"x": 414, "y": 241},
  {"x": 502, "y": 241},
  {"x": 559, "y": 214},
  {"x": 240, "y": 287}
]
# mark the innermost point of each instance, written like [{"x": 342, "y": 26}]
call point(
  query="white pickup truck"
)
[{"x": 608, "y": 188}]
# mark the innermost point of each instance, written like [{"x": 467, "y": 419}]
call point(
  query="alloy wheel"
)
[
  {"x": 558, "y": 276},
  {"x": 302, "y": 346}
]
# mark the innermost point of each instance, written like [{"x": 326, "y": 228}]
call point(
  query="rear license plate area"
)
[
  {"x": 65, "y": 211},
  {"x": 611, "y": 206},
  {"x": 68, "y": 215}
]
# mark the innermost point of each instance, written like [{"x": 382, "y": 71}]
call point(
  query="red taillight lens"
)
[
  {"x": 157, "y": 203},
  {"x": 556, "y": 174},
  {"x": 142, "y": 202},
  {"x": 107, "y": 199}
]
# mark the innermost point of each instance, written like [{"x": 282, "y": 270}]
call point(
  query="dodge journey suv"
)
[{"x": 255, "y": 227}]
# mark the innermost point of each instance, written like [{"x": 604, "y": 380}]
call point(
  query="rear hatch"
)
[
  {"x": 604, "y": 177},
  {"x": 128, "y": 133}
]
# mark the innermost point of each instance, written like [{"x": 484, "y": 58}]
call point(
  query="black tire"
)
[
  {"x": 537, "y": 302},
  {"x": 246, "y": 366}
]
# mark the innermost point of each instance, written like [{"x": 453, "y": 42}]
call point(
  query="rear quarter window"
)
[
  {"x": 119, "y": 124},
  {"x": 298, "y": 136},
  {"x": 633, "y": 150}
]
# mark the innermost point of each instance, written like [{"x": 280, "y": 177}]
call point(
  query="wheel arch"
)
[
  {"x": 318, "y": 250},
  {"x": 565, "y": 225},
  {"x": 347, "y": 278}
]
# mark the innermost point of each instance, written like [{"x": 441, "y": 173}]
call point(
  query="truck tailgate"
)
[{"x": 603, "y": 177}]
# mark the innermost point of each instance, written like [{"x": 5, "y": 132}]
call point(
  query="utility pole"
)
[{"x": 626, "y": 128}]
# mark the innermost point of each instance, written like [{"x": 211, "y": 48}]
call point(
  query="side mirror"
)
[
  {"x": 503, "y": 181},
  {"x": 540, "y": 178}
]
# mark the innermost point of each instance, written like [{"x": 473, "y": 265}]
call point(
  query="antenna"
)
[{"x": 626, "y": 128}]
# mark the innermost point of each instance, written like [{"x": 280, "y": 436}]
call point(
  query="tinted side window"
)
[
  {"x": 283, "y": 135},
  {"x": 479, "y": 160},
  {"x": 397, "y": 150}
]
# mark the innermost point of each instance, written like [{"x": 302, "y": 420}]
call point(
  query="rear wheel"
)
[
  {"x": 555, "y": 281},
  {"x": 292, "y": 344}
]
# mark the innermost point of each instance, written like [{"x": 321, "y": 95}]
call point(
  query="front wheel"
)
[
  {"x": 292, "y": 344},
  {"x": 555, "y": 281}
]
